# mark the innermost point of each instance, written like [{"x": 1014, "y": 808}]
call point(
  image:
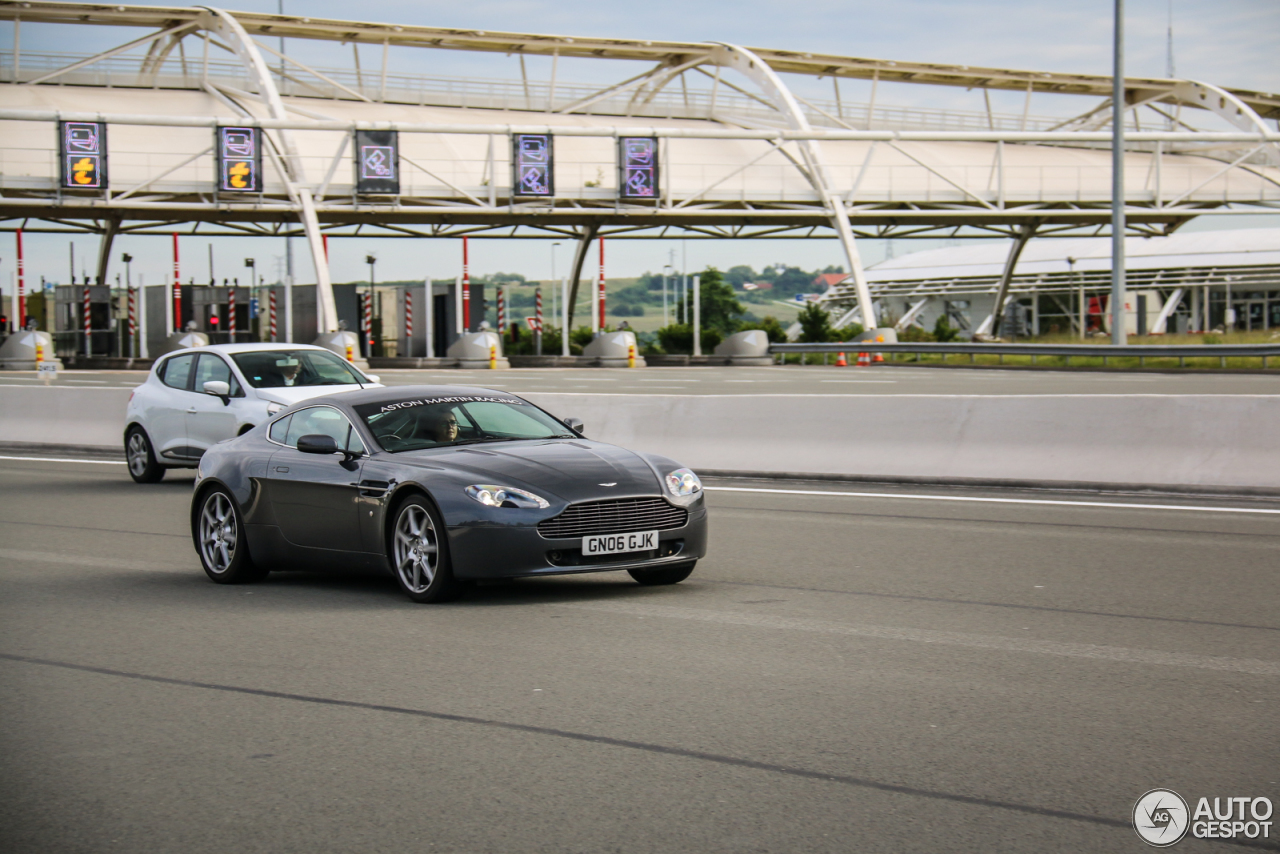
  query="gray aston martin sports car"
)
[{"x": 438, "y": 485}]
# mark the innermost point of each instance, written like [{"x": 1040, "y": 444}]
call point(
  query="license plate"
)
[{"x": 606, "y": 544}]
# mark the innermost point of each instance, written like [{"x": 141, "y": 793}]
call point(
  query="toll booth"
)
[
  {"x": 68, "y": 332},
  {"x": 444, "y": 318},
  {"x": 211, "y": 310}
]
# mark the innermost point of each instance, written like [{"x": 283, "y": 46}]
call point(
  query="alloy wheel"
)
[
  {"x": 218, "y": 532},
  {"x": 416, "y": 548},
  {"x": 138, "y": 454}
]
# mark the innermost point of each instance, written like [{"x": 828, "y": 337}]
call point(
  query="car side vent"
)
[{"x": 614, "y": 517}]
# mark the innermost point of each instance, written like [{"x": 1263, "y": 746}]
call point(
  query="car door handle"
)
[
  {"x": 191, "y": 411},
  {"x": 282, "y": 469}
]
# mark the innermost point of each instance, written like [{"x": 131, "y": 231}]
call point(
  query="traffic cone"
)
[
  {"x": 841, "y": 362},
  {"x": 879, "y": 357},
  {"x": 864, "y": 360}
]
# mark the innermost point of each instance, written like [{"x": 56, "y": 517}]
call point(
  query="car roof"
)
[{"x": 249, "y": 348}]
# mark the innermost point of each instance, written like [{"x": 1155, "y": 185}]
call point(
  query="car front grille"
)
[{"x": 614, "y": 517}]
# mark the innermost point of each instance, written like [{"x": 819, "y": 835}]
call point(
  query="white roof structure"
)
[
  {"x": 739, "y": 155},
  {"x": 1243, "y": 257}
]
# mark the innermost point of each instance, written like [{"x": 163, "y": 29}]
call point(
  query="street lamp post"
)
[
  {"x": 1118, "y": 330},
  {"x": 665, "y": 268}
]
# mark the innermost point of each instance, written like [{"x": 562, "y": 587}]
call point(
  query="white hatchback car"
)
[{"x": 195, "y": 398}]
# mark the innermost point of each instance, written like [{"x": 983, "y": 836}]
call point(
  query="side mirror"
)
[
  {"x": 373, "y": 378},
  {"x": 574, "y": 424},
  {"x": 219, "y": 389},
  {"x": 317, "y": 443}
]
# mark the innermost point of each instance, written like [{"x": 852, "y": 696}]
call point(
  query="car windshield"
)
[
  {"x": 278, "y": 368},
  {"x": 411, "y": 424}
]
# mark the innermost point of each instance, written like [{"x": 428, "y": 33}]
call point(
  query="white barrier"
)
[
  {"x": 1177, "y": 440},
  {"x": 1184, "y": 440}
]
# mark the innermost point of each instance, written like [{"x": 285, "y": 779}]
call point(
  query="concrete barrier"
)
[{"x": 1157, "y": 440}]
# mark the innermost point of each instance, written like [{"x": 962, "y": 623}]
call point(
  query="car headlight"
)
[
  {"x": 273, "y": 407},
  {"x": 506, "y": 496},
  {"x": 683, "y": 483}
]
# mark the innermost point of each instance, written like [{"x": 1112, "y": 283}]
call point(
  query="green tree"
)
[
  {"x": 815, "y": 324},
  {"x": 720, "y": 309},
  {"x": 792, "y": 281},
  {"x": 740, "y": 275},
  {"x": 777, "y": 334},
  {"x": 678, "y": 338},
  {"x": 914, "y": 333},
  {"x": 943, "y": 331},
  {"x": 848, "y": 333}
]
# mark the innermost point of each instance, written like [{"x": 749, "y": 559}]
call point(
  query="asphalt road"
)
[
  {"x": 791, "y": 379},
  {"x": 842, "y": 673}
]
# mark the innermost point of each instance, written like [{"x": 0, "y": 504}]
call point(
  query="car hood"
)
[
  {"x": 572, "y": 470},
  {"x": 289, "y": 395}
]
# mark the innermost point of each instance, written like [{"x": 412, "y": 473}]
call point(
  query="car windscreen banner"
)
[{"x": 364, "y": 410}]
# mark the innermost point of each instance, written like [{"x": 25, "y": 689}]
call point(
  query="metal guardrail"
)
[{"x": 1181, "y": 352}]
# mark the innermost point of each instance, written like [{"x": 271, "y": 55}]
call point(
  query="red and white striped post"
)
[
  {"x": 537, "y": 314},
  {"x": 271, "y": 301},
  {"x": 368, "y": 325},
  {"x": 231, "y": 312},
  {"x": 88, "y": 325},
  {"x": 502, "y": 311},
  {"x": 133, "y": 322},
  {"x": 177, "y": 288},
  {"x": 20, "y": 321},
  {"x": 601, "y": 298},
  {"x": 466, "y": 289},
  {"x": 408, "y": 321}
]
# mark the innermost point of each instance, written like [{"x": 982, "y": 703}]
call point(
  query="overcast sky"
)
[{"x": 1228, "y": 42}]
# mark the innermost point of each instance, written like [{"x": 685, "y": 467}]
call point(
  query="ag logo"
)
[{"x": 1161, "y": 818}]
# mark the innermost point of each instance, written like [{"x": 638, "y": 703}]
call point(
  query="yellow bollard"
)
[
  {"x": 39, "y": 353},
  {"x": 350, "y": 355},
  {"x": 631, "y": 356},
  {"x": 493, "y": 357}
]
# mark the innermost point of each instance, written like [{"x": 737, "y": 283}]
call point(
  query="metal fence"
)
[{"x": 1142, "y": 352}]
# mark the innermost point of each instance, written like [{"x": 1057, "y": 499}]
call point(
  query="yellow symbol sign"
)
[
  {"x": 82, "y": 171},
  {"x": 238, "y": 171}
]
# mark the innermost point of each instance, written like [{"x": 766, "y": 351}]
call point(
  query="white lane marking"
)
[
  {"x": 93, "y": 382},
  {"x": 902, "y": 395},
  {"x": 1121, "y": 654},
  {"x": 60, "y": 386},
  {"x": 66, "y": 460},
  {"x": 859, "y": 381},
  {"x": 980, "y": 499}
]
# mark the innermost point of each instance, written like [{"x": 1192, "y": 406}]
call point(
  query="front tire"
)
[
  {"x": 221, "y": 541},
  {"x": 141, "y": 458},
  {"x": 418, "y": 551},
  {"x": 666, "y": 575}
]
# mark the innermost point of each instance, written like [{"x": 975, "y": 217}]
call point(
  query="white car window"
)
[
  {"x": 211, "y": 367},
  {"x": 176, "y": 372}
]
